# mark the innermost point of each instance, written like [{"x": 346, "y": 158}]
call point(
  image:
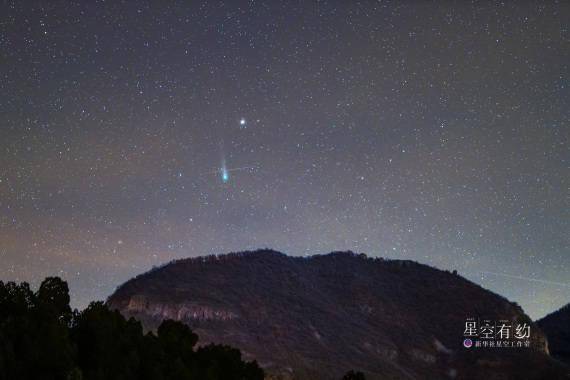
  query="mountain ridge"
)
[{"x": 317, "y": 317}]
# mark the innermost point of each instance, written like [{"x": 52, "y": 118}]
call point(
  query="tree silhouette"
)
[
  {"x": 41, "y": 338},
  {"x": 352, "y": 375},
  {"x": 53, "y": 298}
]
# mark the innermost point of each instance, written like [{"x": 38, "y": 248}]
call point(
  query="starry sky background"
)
[{"x": 399, "y": 129}]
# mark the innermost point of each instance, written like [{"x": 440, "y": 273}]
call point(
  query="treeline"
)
[{"x": 42, "y": 338}]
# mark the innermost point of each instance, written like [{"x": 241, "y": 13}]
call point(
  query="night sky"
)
[{"x": 136, "y": 133}]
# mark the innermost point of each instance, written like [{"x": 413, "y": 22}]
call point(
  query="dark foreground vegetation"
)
[{"x": 42, "y": 338}]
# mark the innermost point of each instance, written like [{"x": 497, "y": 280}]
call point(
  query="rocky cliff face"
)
[
  {"x": 318, "y": 317},
  {"x": 140, "y": 304},
  {"x": 556, "y": 326}
]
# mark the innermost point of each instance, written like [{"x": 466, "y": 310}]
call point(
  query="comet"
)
[
  {"x": 225, "y": 174},
  {"x": 224, "y": 171}
]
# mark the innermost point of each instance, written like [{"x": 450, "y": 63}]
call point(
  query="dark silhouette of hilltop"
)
[
  {"x": 556, "y": 326},
  {"x": 318, "y": 317}
]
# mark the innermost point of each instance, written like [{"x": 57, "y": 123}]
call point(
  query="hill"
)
[
  {"x": 556, "y": 326},
  {"x": 317, "y": 317}
]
